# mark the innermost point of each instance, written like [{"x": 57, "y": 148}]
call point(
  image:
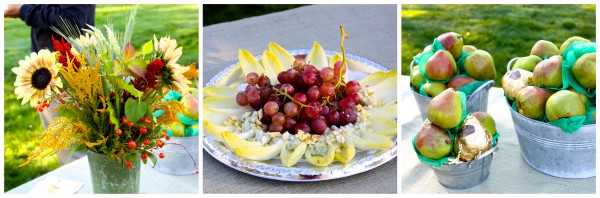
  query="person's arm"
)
[
  {"x": 12, "y": 10},
  {"x": 44, "y": 16}
]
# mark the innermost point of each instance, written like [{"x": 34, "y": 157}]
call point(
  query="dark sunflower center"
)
[{"x": 41, "y": 78}]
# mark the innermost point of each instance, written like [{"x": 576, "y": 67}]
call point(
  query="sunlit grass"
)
[
  {"x": 21, "y": 122},
  {"x": 505, "y": 31}
]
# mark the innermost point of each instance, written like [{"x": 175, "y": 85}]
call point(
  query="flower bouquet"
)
[{"x": 107, "y": 93}]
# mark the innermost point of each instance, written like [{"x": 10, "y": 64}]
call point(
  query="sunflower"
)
[
  {"x": 37, "y": 76},
  {"x": 173, "y": 75}
]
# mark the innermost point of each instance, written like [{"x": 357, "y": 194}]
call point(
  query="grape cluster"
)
[{"x": 305, "y": 99}]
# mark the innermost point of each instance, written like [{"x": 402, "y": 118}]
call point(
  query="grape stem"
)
[
  {"x": 344, "y": 35},
  {"x": 281, "y": 93}
]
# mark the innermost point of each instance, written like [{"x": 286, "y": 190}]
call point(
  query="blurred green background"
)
[
  {"x": 213, "y": 14},
  {"x": 21, "y": 122},
  {"x": 505, "y": 31}
]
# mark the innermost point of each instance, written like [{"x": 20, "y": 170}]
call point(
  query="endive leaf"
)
[
  {"x": 272, "y": 66},
  {"x": 248, "y": 63},
  {"x": 320, "y": 161},
  {"x": 386, "y": 90},
  {"x": 219, "y": 92},
  {"x": 260, "y": 153},
  {"x": 219, "y": 116},
  {"x": 372, "y": 141},
  {"x": 347, "y": 152},
  {"x": 376, "y": 77},
  {"x": 317, "y": 57},
  {"x": 383, "y": 126},
  {"x": 285, "y": 58},
  {"x": 389, "y": 112},
  {"x": 221, "y": 103},
  {"x": 214, "y": 131},
  {"x": 234, "y": 142},
  {"x": 290, "y": 158}
]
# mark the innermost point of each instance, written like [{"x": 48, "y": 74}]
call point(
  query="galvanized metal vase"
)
[
  {"x": 109, "y": 177},
  {"x": 181, "y": 156}
]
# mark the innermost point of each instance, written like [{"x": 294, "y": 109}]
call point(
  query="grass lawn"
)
[
  {"x": 22, "y": 122},
  {"x": 505, "y": 31}
]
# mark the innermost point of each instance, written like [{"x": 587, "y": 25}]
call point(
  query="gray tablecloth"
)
[
  {"x": 372, "y": 32},
  {"x": 509, "y": 172}
]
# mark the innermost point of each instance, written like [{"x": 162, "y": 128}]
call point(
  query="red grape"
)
[
  {"x": 325, "y": 110},
  {"x": 264, "y": 81},
  {"x": 326, "y": 74},
  {"x": 299, "y": 64},
  {"x": 287, "y": 88},
  {"x": 281, "y": 78},
  {"x": 319, "y": 125},
  {"x": 314, "y": 111},
  {"x": 256, "y": 106},
  {"x": 310, "y": 68},
  {"x": 241, "y": 99},
  {"x": 290, "y": 109},
  {"x": 290, "y": 122},
  {"x": 313, "y": 93},
  {"x": 327, "y": 89},
  {"x": 278, "y": 119},
  {"x": 356, "y": 98},
  {"x": 266, "y": 119},
  {"x": 292, "y": 75},
  {"x": 275, "y": 99},
  {"x": 271, "y": 108},
  {"x": 303, "y": 115},
  {"x": 266, "y": 92},
  {"x": 347, "y": 103},
  {"x": 252, "y": 78},
  {"x": 333, "y": 116},
  {"x": 348, "y": 116},
  {"x": 302, "y": 125},
  {"x": 309, "y": 77},
  {"x": 275, "y": 128},
  {"x": 352, "y": 87},
  {"x": 253, "y": 95},
  {"x": 336, "y": 68},
  {"x": 301, "y": 97}
]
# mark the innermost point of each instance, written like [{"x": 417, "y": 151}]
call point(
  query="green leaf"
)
[
  {"x": 153, "y": 158},
  {"x": 135, "y": 110},
  {"x": 128, "y": 87},
  {"x": 137, "y": 66},
  {"x": 147, "y": 48},
  {"x": 113, "y": 116}
]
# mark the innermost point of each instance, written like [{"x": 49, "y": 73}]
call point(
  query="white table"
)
[
  {"x": 151, "y": 181},
  {"x": 372, "y": 31},
  {"x": 509, "y": 172}
]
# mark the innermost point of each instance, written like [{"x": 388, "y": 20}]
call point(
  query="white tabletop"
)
[
  {"x": 151, "y": 181},
  {"x": 509, "y": 172}
]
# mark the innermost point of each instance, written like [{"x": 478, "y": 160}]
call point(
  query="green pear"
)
[
  {"x": 569, "y": 41},
  {"x": 584, "y": 70},
  {"x": 544, "y": 48},
  {"x": 469, "y": 48},
  {"x": 416, "y": 78},
  {"x": 427, "y": 48},
  {"x": 445, "y": 110},
  {"x": 459, "y": 81},
  {"x": 434, "y": 88},
  {"x": 531, "y": 101},
  {"x": 515, "y": 80},
  {"x": 549, "y": 72},
  {"x": 472, "y": 139},
  {"x": 583, "y": 97},
  {"x": 433, "y": 142},
  {"x": 480, "y": 65},
  {"x": 564, "y": 104},
  {"x": 440, "y": 66},
  {"x": 486, "y": 121},
  {"x": 452, "y": 42},
  {"x": 527, "y": 63}
]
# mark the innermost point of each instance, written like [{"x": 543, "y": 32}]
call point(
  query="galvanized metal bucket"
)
[
  {"x": 477, "y": 101},
  {"x": 467, "y": 174},
  {"x": 181, "y": 156},
  {"x": 550, "y": 150}
]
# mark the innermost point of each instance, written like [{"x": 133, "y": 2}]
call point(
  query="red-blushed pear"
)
[
  {"x": 549, "y": 72},
  {"x": 570, "y": 41},
  {"x": 416, "y": 78},
  {"x": 453, "y": 42},
  {"x": 543, "y": 48},
  {"x": 445, "y": 110},
  {"x": 486, "y": 121},
  {"x": 441, "y": 66},
  {"x": 480, "y": 65},
  {"x": 564, "y": 104},
  {"x": 459, "y": 81},
  {"x": 531, "y": 101},
  {"x": 434, "y": 88},
  {"x": 433, "y": 142},
  {"x": 584, "y": 70}
]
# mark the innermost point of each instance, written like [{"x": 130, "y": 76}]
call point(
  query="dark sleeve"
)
[{"x": 43, "y": 16}]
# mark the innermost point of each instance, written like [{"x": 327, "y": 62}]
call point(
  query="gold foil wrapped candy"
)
[{"x": 472, "y": 140}]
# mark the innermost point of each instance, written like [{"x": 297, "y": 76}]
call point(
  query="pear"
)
[
  {"x": 584, "y": 70},
  {"x": 445, "y": 110},
  {"x": 531, "y": 101},
  {"x": 569, "y": 41},
  {"x": 453, "y": 42},
  {"x": 549, "y": 72},
  {"x": 459, "y": 81},
  {"x": 480, "y": 65},
  {"x": 471, "y": 140},
  {"x": 486, "y": 121},
  {"x": 427, "y": 48},
  {"x": 433, "y": 142},
  {"x": 416, "y": 78},
  {"x": 527, "y": 63},
  {"x": 564, "y": 104},
  {"x": 469, "y": 48},
  {"x": 434, "y": 88},
  {"x": 544, "y": 48},
  {"x": 441, "y": 66},
  {"x": 515, "y": 80}
]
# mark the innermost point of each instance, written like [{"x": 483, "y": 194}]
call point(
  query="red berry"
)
[
  {"x": 147, "y": 121},
  {"x": 128, "y": 165},
  {"x": 168, "y": 138},
  {"x": 159, "y": 143},
  {"x": 144, "y": 156},
  {"x": 161, "y": 155},
  {"x": 131, "y": 144},
  {"x": 163, "y": 132},
  {"x": 143, "y": 130},
  {"x": 146, "y": 142},
  {"x": 196, "y": 172},
  {"x": 118, "y": 132},
  {"x": 129, "y": 123}
]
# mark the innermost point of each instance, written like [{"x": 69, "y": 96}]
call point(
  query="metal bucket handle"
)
[
  {"x": 484, "y": 154},
  {"x": 486, "y": 86},
  {"x": 509, "y": 65}
]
